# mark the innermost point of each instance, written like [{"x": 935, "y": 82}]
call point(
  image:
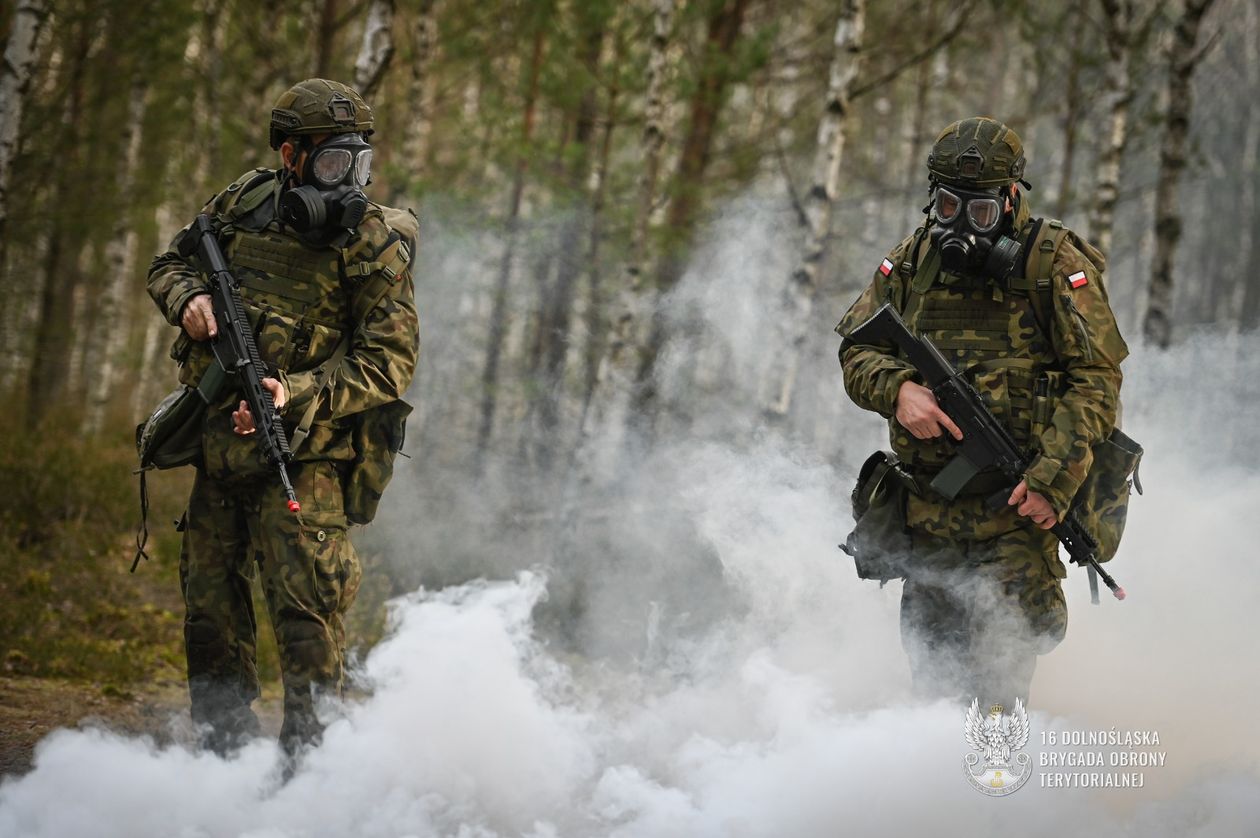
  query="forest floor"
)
[
  {"x": 32, "y": 707},
  {"x": 83, "y": 642}
]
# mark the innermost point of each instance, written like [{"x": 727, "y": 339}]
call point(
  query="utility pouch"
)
[
  {"x": 171, "y": 436},
  {"x": 378, "y": 439},
  {"x": 880, "y": 541},
  {"x": 1102, "y": 503}
]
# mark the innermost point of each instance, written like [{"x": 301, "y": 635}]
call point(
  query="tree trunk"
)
[
  {"x": 1071, "y": 122},
  {"x": 723, "y": 30},
  {"x": 209, "y": 57},
  {"x": 47, "y": 380},
  {"x": 1120, "y": 87},
  {"x": 595, "y": 320},
  {"x": 154, "y": 369},
  {"x": 498, "y": 312},
  {"x": 1247, "y": 303},
  {"x": 617, "y": 366},
  {"x": 1184, "y": 57},
  {"x": 20, "y": 53},
  {"x": 416, "y": 143},
  {"x": 377, "y": 48},
  {"x": 558, "y": 311},
  {"x": 819, "y": 205},
  {"x": 109, "y": 329},
  {"x": 326, "y": 38}
]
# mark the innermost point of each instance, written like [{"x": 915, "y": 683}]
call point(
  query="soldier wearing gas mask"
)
[
  {"x": 325, "y": 277},
  {"x": 1018, "y": 303}
]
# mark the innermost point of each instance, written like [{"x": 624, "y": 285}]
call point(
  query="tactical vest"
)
[
  {"x": 998, "y": 334},
  {"x": 303, "y": 302}
]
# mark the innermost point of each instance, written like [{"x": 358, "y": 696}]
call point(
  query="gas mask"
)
[
  {"x": 969, "y": 231},
  {"x": 330, "y": 197}
]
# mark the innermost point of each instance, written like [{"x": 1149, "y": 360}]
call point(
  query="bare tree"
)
[
  {"x": 1124, "y": 35},
  {"x": 1247, "y": 303},
  {"x": 326, "y": 37},
  {"x": 377, "y": 48},
  {"x": 50, "y": 365},
  {"x": 424, "y": 44},
  {"x": 109, "y": 331},
  {"x": 818, "y": 206},
  {"x": 723, "y": 28},
  {"x": 15, "y": 81},
  {"x": 558, "y": 305},
  {"x": 1184, "y": 56},
  {"x": 616, "y": 368},
  {"x": 498, "y": 312}
]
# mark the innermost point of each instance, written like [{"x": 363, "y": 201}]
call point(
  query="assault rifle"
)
[
  {"x": 986, "y": 443},
  {"x": 235, "y": 349}
]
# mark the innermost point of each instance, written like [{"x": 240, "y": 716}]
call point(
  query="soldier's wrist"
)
[{"x": 1047, "y": 477}]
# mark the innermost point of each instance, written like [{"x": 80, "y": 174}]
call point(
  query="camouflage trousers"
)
[
  {"x": 310, "y": 575},
  {"x": 976, "y": 614}
]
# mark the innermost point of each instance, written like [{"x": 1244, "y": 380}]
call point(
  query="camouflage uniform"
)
[
  {"x": 300, "y": 300},
  {"x": 983, "y": 596}
]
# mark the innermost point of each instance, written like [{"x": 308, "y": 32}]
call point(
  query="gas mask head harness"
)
[
  {"x": 327, "y": 196},
  {"x": 972, "y": 230}
]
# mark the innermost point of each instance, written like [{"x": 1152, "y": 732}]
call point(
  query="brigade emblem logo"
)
[{"x": 998, "y": 767}]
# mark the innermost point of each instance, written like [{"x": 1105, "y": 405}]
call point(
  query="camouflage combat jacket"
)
[
  {"x": 1048, "y": 368},
  {"x": 300, "y": 300}
]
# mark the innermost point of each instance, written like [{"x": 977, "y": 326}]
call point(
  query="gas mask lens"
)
[
  {"x": 946, "y": 205},
  {"x": 983, "y": 213},
  {"x": 363, "y": 168},
  {"x": 331, "y": 164}
]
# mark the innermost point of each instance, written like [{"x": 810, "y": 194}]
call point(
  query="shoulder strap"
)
[
  {"x": 927, "y": 262},
  {"x": 378, "y": 275},
  {"x": 1036, "y": 279},
  {"x": 322, "y": 378}
]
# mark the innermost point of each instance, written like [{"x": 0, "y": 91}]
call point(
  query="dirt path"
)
[{"x": 31, "y": 708}]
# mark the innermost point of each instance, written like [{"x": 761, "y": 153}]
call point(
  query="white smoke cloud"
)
[{"x": 728, "y": 674}]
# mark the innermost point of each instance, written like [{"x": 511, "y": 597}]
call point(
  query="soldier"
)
[
  {"x": 327, "y": 287},
  {"x": 1019, "y": 304}
]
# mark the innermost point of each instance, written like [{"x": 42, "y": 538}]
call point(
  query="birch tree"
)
[
  {"x": 20, "y": 54},
  {"x": 1248, "y": 248},
  {"x": 617, "y": 367},
  {"x": 722, "y": 31},
  {"x": 1184, "y": 56},
  {"x": 108, "y": 328},
  {"x": 818, "y": 205},
  {"x": 377, "y": 48}
]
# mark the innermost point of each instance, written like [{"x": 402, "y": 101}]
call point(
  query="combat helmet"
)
[
  {"x": 319, "y": 106},
  {"x": 979, "y": 153}
]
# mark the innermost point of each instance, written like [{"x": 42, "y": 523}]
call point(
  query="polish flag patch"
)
[
  {"x": 1078, "y": 279},
  {"x": 885, "y": 267}
]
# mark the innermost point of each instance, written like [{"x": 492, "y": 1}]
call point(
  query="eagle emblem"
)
[{"x": 997, "y": 766}]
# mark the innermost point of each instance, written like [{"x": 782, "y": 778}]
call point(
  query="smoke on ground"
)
[{"x": 678, "y": 648}]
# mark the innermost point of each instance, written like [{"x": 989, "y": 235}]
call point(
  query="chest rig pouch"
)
[{"x": 1001, "y": 336}]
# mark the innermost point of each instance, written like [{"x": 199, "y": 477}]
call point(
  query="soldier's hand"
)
[
  {"x": 918, "y": 413},
  {"x": 198, "y": 318},
  {"x": 243, "y": 420},
  {"x": 1032, "y": 505}
]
